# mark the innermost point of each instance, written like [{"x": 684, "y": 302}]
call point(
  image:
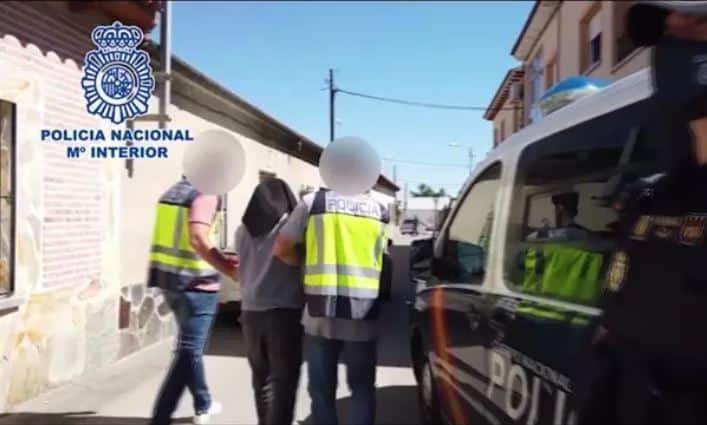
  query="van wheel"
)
[{"x": 427, "y": 396}]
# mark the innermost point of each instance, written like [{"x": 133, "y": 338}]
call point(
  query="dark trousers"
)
[
  {"x": 626, "y": 386},
  {"x": 274, "y": 344},
  {"x": 195, "y": 313},
  {"x": 360, "y": 359}
]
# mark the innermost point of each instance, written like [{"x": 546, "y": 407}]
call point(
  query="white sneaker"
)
[{"x": 205, "y": 418}]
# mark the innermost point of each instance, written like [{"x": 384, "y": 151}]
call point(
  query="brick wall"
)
[{"x": 51, "y": 47}]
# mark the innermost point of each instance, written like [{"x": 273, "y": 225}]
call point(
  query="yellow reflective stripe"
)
[
  {"x": 341, "y": 280},
  {"x": 342, "y": 234},
  {"x": 181, "y": 235},
  {"x": 380, "y": 243},
  {"x": 180, "y": 229},
  {"x": 367, "y": 293},
  {"x": 313, "y": 240},
  {"x": 177, "y": 261},
  {"x": 175, "y": 252},
  {"x": 341, "y": 269}
]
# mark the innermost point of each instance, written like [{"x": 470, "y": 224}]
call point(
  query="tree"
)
[{"x": 424, "y": 190}]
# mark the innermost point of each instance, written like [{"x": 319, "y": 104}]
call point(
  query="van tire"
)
[{"x": 427, "y": 399}]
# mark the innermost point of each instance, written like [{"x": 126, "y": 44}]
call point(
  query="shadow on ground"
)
[
  {"x": 75, "y": 418},
  {"x": 393, "y": 343},
  {"x": 396, "y": 405}
]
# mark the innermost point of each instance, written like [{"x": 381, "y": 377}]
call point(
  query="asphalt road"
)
[{"x": 123, "y": 394}]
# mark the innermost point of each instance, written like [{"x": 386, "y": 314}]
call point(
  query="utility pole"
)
[
  {"x": 332, "y": 94},
  {"x": 405, "y": 198},
  {"x": 395, "y": 174},
  {"x": 471, "y": 159}
]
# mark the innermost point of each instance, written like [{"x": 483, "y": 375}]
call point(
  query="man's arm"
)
[
  {"x": 201, "y": 215},
  {"x": 286, "y": 251},
  {"x": 199, "y": 240},
  {"x": 291, "y": 234}
]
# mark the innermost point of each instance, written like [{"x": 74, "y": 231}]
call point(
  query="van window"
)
[
  {"x": 465, "y": 250},
  {"x": 561, "y": 223}
]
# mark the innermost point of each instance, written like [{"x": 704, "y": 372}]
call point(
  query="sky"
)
[{"x": 276, "y": 56}]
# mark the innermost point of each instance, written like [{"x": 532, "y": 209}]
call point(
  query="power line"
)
[
  {"x": 416, "y": 103},
  {"x": 431, "y": 164}
]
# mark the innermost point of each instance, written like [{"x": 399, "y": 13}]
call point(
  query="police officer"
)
[
  {"x": 652, "y": 366},
  {"x": 344, "y": 240},
  {"x": 185, "y": 265},
  {"x": 566, "y": 210}
]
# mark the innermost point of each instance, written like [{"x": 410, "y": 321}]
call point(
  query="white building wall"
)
[{"x": 153, "y": 176}]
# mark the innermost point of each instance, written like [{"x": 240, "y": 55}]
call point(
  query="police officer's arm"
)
[
  {"x": 286, "y": 251},
  {"x": 291, "y": 234},
  {"x": 201, "y": 213}
]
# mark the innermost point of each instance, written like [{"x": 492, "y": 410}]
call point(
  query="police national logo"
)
[{"x": 118, "y": 79}]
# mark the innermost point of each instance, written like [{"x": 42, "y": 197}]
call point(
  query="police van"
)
[{"x": 504, "y": 314}]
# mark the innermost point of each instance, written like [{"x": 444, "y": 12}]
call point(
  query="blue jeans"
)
[
  {"x": 360, "y": 359},
  {"x": 195, "y": 313}
]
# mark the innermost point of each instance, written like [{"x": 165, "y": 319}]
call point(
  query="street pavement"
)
[{"x": 124, "y": 393}]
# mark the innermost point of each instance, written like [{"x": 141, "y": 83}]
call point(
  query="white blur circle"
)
[
  {"x": 214, "y": 162},
  {"x": 349, "y": 166}
]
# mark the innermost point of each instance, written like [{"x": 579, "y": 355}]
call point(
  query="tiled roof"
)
[{"x": 499, "y": 99}]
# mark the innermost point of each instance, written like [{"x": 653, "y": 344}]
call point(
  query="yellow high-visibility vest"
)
[
  {"x": 344, "y": 242},
  {"x": 173, "y": 262},
  {"x": 563, "y": 271}
]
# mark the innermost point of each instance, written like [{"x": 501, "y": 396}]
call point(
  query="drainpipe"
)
[
  {"x": 166, "y": 61},
  {"x": 162, "y": 77}
]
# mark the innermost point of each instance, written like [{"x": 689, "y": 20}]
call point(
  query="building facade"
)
[
  {"x": 506, "y": 108},
  {"x": 562, "y": 39},
  {"x": 75, "y": 233}
]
